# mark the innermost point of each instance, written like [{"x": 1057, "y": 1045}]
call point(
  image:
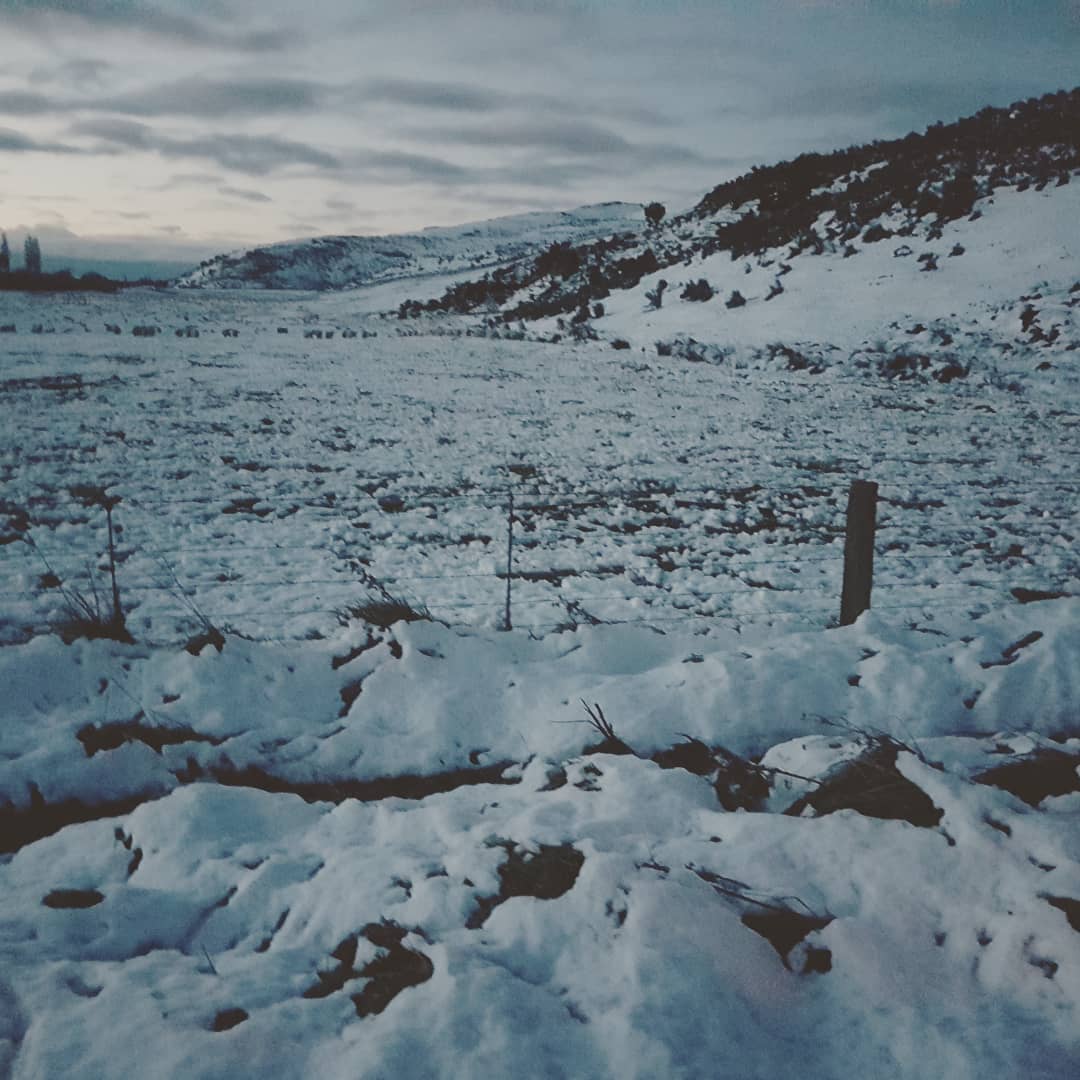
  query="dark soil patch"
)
[
  {"x": 112, "y": 736},
  {"x": 71, "y": 899},
  {"x": 1033, "y": 777},
  {"x": 1070, "y": 906},
  {"x": 407, "y": 786},
  {"x": 1032, "y": 596},
  {"x": 783, "y": 929},
  {"x": 871, "y": 785},
  {"x": 692, "y": 755},
  {"x": 547, "y": 874},
  {"x": 19, "y": 827},
  {"x": 1009, "y": 655},
  {"x": 210, "y": 636},
  {"x": 396, "y": 968},
  {"x": 780, "y": 924},
  {"x": 228, "y": 1018}
]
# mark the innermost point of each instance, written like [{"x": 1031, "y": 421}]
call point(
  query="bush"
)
[
  {"x": 699, "y": 291},
  {"x": 383, "y": 611},
  {"x": 90, "y": 615},
  {"x": 735, "y": 300},
  {"x": 875, "y": 233}
]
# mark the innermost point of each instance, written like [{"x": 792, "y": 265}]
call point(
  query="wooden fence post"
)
[
  {"x": 858, "y": 550},
  {"x": 509, "y": 558}
]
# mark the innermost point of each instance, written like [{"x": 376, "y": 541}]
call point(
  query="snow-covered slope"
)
[
  {"x": 988, "y": 291},
  {"x": 335, "y": 262}
]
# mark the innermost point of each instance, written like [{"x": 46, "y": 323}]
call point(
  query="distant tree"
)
[
  {"x": 654, "y": 213},
  {"x": 5, "y": 254},
  {"x": 32, "y": 255}
]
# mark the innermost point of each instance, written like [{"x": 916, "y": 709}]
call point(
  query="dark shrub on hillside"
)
[
  {"x": 559, "y": 260},
  {"x": 699, "y": 290},
  {"x": 736, "y": 299},
  {"x": 875, "y": 233},
  {"x": 958, "y": 197}
]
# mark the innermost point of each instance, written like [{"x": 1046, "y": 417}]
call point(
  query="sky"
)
[{"x": 183, "y": 128}]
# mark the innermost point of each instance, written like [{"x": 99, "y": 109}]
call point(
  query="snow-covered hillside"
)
[
  {"x": 337, "y": 262},
  {"x": 857, "y": 249}
]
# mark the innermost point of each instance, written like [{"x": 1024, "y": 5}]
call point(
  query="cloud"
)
[
  {"x": 27, "y": 103},
  {"x": 244, "y": 193},
  {"x": 80, "y": 72},
  {"x": 402, "y": 166},
  {"x": 146, "y": 18},
  {"x": 871, "y": 95},
  {"x": 457, "y": 97},
  {"x": 15, "y": 142},
  {"x": 563, "y": 147},
  {"x": 218, "y": 98},
  {"x": 567, "y": 137},
  {"x": 255, "y": 155}
]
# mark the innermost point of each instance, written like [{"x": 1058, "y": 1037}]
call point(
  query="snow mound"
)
[{"x": 592, "y": 913}]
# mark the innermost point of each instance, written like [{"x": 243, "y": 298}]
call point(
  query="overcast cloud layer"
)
[{"x": 186, "y": 127}]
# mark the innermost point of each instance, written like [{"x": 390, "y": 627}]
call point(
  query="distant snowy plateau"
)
[{"x": 677, "y": 822}]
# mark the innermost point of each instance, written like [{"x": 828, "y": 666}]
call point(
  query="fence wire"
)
[{"x": 547, "y": 519}]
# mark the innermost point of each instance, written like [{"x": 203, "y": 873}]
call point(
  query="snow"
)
[{"x": 331, "y": 848}]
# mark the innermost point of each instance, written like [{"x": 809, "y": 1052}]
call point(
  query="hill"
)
[
  {"x": 816, "y": 204},
  {"x": 907, "y": 256},
  {"x": 339, "y": 262}
]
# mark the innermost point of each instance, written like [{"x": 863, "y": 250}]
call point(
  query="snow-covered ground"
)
[{"x": 334, "y": 849}]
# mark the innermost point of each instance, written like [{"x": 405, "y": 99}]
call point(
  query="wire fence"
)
[{"x": 652, "y": 553}]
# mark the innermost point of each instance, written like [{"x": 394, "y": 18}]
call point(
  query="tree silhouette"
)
[
  {"x": 32, "y": 255},
  {"x": 654, "y": 213},
  {"x": 5, "y": 254}
]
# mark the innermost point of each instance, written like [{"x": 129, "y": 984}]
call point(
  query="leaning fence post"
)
[
  {"x": 509, "y": 558},
  {"x": 118, "y": 611},
  {"x": 858, "y": 550}
]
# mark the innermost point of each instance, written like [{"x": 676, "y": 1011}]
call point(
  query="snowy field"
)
[
  {"x": 333, "y": 849},
  {"x": 266, "y": 477}
]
